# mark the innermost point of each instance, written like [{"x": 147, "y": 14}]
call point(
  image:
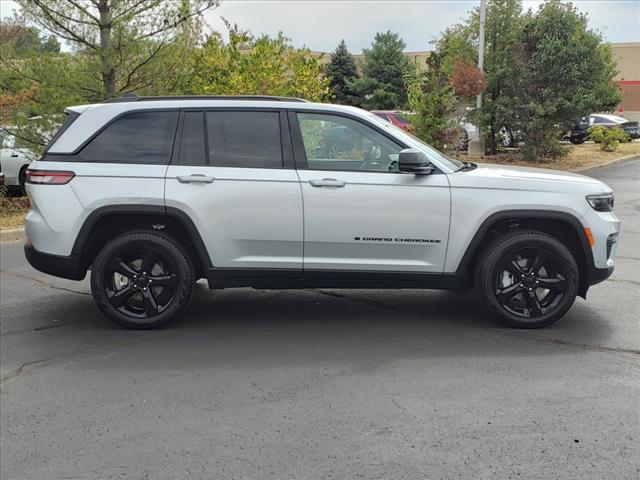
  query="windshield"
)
[{"x": 426, "y": 148}]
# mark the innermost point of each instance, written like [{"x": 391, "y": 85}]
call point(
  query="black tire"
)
[
  {"x": 22, "y": 179},
  {"x": 142, "y": 279},
  {"x": 577, "y": 140},
  {"x": 539, "y": 260}
]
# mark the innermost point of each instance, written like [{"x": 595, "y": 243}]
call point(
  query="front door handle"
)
[
  {"x": 195, "y": 178},
  {"x": 328, "y": 182}
]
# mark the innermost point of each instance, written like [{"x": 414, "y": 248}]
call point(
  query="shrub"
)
[{"x": 608, "y": 138}]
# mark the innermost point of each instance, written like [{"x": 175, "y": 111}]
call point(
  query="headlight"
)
[{"x": 601, "y": 203}]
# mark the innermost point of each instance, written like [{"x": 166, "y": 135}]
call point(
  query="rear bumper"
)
[{"x": 56, "y": 265}]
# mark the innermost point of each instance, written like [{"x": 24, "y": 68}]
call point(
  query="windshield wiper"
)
[{"x": 466, "y": 166}]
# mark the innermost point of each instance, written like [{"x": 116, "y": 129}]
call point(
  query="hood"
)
[
  {"x": 528, "y": 173},
  {"x": 503, "y": 177}
]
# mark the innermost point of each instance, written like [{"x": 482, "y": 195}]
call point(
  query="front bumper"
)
[
  {"x": 56, "y": 265},
  {"x": 600, "y": 275}
]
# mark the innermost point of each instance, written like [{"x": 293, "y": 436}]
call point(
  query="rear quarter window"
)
[{"x": 137, "y": 137}]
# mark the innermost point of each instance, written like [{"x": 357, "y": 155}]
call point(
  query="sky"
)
[{"x": 321, "y": 24}]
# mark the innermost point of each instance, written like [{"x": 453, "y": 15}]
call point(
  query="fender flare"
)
[
  {"x": 171, "y": 212},
  {"x": 475, "y": 244}
]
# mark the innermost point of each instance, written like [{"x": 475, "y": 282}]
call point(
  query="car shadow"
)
[{"x": 265, "y": 328}]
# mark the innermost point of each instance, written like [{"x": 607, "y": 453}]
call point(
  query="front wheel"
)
[
  {"x": 527, "y": 278},
  {"x": 142, "y": 279}
]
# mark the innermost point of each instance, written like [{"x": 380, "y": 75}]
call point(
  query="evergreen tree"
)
[
  {"x": 342, "y": 72},
  {"x": 382, "y": 86}
]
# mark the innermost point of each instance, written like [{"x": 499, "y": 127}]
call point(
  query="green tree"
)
[
  {"x": 569, "y": 74},
  {"x": 503, "y": 68},
  {"x": 342, "y": 72},
  {"x": 123, "y": 36},
  {"x": 249, "y": 65},
  {"x": 23, "y": 41},
  {"x": 431, "y": 97},
  {"x": 381, "y": 85}
]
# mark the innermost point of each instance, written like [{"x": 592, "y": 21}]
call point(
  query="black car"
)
[{"x": 580, "y": 131}]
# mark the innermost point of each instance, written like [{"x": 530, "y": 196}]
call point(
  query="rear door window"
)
[
  {"x": 138, "y": 137},
  {"x": 247, "y": 139}
]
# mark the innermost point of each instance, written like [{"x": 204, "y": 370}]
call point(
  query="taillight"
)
[{"x": 49, "y": 177}]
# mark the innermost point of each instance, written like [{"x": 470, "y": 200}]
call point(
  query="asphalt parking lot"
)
[{"x": 322, "y": 384}]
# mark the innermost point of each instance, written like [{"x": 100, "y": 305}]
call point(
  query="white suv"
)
[{"x": 153, "y": 193}]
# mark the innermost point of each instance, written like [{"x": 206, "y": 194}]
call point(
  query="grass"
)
[
  {"x": 578, "y": 157},
  {"x": 13, "y": 211}
]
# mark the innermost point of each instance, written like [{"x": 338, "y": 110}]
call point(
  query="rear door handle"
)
[
  {"x": 195, "y": 178},
  {"x": 328, "y": 182}
]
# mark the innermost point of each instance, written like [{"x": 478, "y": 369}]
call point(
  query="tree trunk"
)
[{"x": 106, "y": 51}]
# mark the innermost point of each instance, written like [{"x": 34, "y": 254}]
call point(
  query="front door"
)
[
  {"x": 234, "y": 177},
  {"x": 360, "y": 212}
]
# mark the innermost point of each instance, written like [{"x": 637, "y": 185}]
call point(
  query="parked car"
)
[
  {"x": 580, "y": 132},
  {"x": 15, "y": 158},
  {"x": 399, "y": 119},
  {"x": 155, "y": 193}
]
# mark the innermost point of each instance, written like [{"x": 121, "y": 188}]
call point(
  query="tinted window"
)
[
  {"x": 244, "y": 139},
  {"x": 338, "y": 143},
  {"x": 192, "y": 144},
  {"x": 141, "y": 137}
]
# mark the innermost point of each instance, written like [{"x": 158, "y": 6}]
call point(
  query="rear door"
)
[{"x": 232, "y": 172}]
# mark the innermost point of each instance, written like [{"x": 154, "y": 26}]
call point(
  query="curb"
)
[
  {"x": 12, "y": 235},
  {"x": 611, "y": 163}
]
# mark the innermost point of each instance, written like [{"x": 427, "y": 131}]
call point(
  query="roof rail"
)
[{"x": 132, "y": 97}]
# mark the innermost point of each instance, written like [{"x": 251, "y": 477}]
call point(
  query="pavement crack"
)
[
  {"x": 559, "y": 341},
  {"x": 42, "y": 282},
  {"x": 29, "y": 366}
]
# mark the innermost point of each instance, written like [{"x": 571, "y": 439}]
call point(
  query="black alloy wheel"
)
[
  {"x": 527, "y": 278},
  {"x": 140, "y": 283},
  {"x": 530, "y": 282},
  {"x": 142, "y": 279}
]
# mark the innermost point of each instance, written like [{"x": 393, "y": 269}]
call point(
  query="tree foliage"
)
[
  {"x": 123, "y": 36},
  {"x": 569, "y": 75},
  {"x": 431, "y": 97},
  {"x": 249, "y": 65},
  {"x": 382, "y": 86},
  {"x": 542, "y": 69},
  {"x": 342, "y": 73}
]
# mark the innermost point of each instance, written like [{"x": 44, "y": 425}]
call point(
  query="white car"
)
[
  {"x": 152, "y": 194},
  {"x": 15, "y": 158}
]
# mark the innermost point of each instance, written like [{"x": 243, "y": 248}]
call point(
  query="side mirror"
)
[{"x": 414, "y": 161}]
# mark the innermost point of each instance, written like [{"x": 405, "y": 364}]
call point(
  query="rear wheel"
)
[
  {"x": 527, "y": 278},
  {"x": 142, "y": 279}
]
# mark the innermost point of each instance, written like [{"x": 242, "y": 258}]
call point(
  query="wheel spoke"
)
[
  {"x": 164, "y": 281},
  {"x": 515, "y": 268},
  {"x": 557, "y": 284},
  {"x": 120, "y": 297},
  {"x": 533, "y": 303},
  {"x": 119, "y": 266},
  {"x": 150, "y": 304},
  {"x": 148, "y": 261},
  {"x": 504, "y": 295}
]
